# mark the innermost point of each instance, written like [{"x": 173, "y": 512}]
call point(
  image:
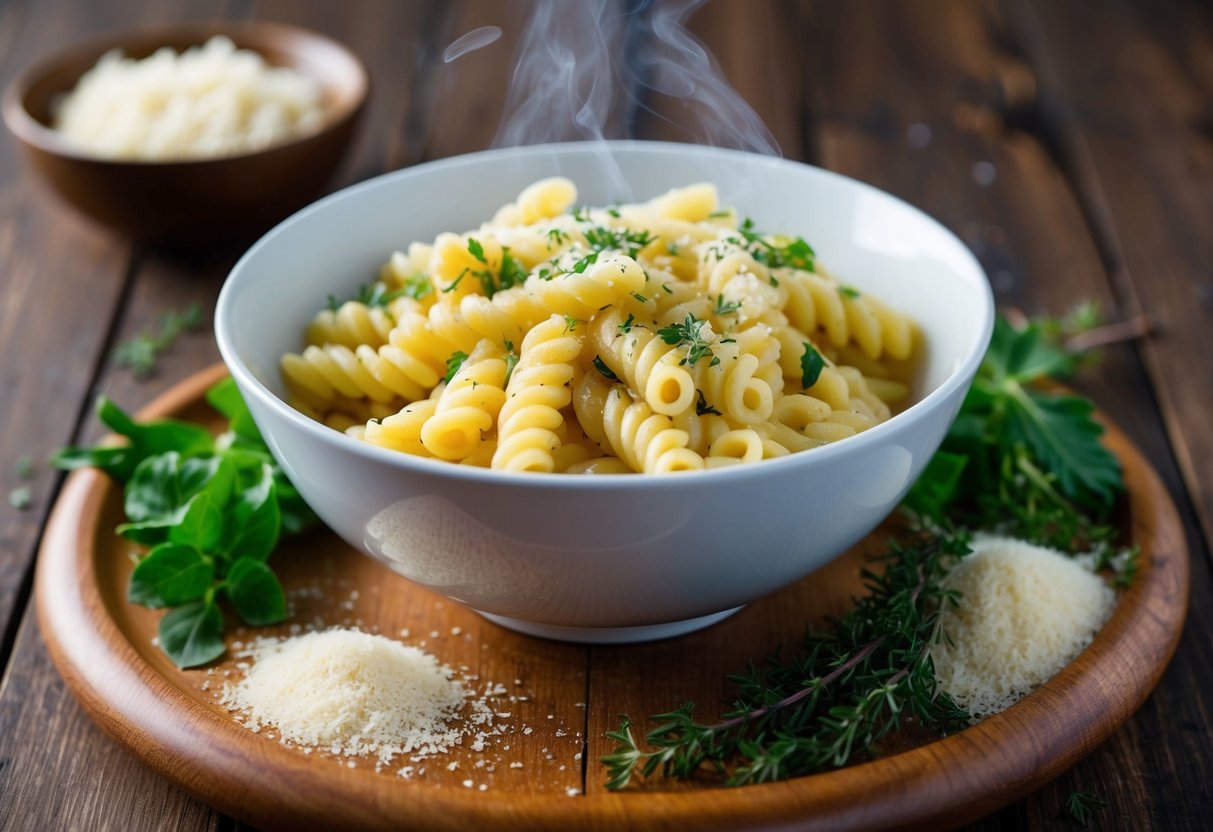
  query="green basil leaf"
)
[
  {"x": 200, "y": 526},
  {"x": 152, "y": 492},
  {"x": 811, "y": 365},
  {"x": 256, "y": 522},
  {"x": 148, "y": 532},
  {"x": 255, "y": 593},
  {"x": 193, "y": 635},
  {"x": 170, "y": 575},
  {"x": 225, "y": 397},
  {"x": 117, "y": 462}
]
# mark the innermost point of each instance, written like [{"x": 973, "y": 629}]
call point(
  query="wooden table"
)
[{"x": 1070, "y": 144}]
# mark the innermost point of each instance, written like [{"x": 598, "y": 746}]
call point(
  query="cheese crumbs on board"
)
[
  {"x": 355, "y": 694},
  {"x": 1025, "y": 613}
]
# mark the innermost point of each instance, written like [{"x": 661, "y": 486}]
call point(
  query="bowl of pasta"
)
[{"x": 605, "y": 392}]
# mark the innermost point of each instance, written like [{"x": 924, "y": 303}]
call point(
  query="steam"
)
[
  {"x": 476, "y": 39},
  {"x": 588, "y": 71}
]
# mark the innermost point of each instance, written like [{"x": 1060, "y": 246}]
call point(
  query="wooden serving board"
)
[{"x": 543, "y": 772}]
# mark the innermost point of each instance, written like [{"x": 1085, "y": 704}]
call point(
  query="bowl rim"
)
[
  {"x": 961, "y": 374},
  {"x": 31, "y": 131}
]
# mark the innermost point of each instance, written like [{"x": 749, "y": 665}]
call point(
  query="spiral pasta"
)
[{"x": 652, "y": 337}]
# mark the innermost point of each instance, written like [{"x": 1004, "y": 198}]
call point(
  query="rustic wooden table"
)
[{"x": 1070, "y": 144}]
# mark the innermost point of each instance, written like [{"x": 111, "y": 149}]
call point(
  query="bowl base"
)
[{"x": 609, "y": 635}]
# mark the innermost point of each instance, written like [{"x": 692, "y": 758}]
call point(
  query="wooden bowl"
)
[{"x": 202, "y": 200}]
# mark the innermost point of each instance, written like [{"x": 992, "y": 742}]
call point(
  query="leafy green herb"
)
[
  {"x": 811, "y": 365},
  {"x": 723, "y": 308},
  {"x": 453, "y": 364},
  {"x": 639, "y": 297},
  {"x": 139, "y": 353},
  {"x": 848, "y": 292},
  {"x": 204, "y": 505},
  {"x": 570, "y": 323},
  {"x": 690, "y": 334},
  {"x": 581, "y": 214},
  {"x": 627, "y": 240},
  {"x": 511, "y": 360},
  {"x": 721, "y": 214},
  {"x": 847, "y": 690},
  {"x": 476, "y": 250},
  {"x": 1081, "y": 805},
  {"x": 585, "y": 262},
  {"x": 601, "y": 367},
  {"x": 776, "y": 252},
  {"x": 626, "y": 326},
  {"x": 556, "y": 237},
  {"x": 702, "y": 408},
  {"x": 1033, "y": 463},
  {"x": 613, "y": 211}
]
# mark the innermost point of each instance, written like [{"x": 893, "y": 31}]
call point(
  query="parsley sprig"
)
[
  {"x": 510, "y": 273},
  {"x": 776, "y": 251},
  {"x": 1021, "y": 457},
  {"x": 210, "y": 509}
]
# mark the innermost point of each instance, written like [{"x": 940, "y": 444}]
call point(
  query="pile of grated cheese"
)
[
  {"x": 209, "y": 101},
  {"x": 355, "y": 694},
  {"x": 1026, "y": 612}
]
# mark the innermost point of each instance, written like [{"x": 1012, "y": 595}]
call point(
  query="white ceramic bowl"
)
[{"x": 605, "y": 558}]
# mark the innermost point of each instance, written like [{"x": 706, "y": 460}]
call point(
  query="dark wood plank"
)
[{"x": 1134, "y": 123}]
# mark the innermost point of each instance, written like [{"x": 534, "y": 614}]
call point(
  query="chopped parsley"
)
[
  {"x": 797, "y": 253},
  {"x": 702, "y": 408},
  {"x": 849, "y": 292},
  {"x": 811, "y": 365},
  {"x": 557, "y": 237},
  {"x": 453, "y": 364},
  {"x": 511, "y": 360},
  {"x": 581, "y": 214},
  {"x": 585, "y": 262},
  {"x": 601, "y": 367},
  {"x": 477, "y": 250},
  {"x": 690, "y": 334},
  {"x": 627, "y": 240},
  {"x": 626, "y": 326},
  {"x": 570, "y": 323}
]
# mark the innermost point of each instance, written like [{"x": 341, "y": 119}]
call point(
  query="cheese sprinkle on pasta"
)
[
  {"x": 655, "y": 337},
  {"x": 1025, "y": 613},
  {"x": 354, "y": 694}
]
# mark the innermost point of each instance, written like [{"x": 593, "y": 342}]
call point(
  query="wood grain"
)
[
  {"x": 104, "y": 648},
  {"x": 1135, "y": 125}
]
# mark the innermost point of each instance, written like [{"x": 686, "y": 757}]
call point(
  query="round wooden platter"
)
[{"x": 557, "y": 700}]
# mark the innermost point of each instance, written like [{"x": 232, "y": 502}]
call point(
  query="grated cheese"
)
[
  {"x": 355, "y": 694},
  {"x": 209, "y": 101},
  {"x": 1026, "y": 613}
]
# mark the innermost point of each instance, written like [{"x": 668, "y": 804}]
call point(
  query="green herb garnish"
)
[
  {"x": 618, "y": 239},
  {"x": 585, "y": 262},
  {"x": 689, "y": 334},
  {"x": 453, "y": 364},
  {"x": 1081, "y": 805},
  {"x": 210, "y": 509},
  {"x": 601, "y": 367},
  {"x": 776, "y": 252},
  {"x": 723, "y": 308},
  {"x": 511, "y": 360},
  {"x": 139, "y": 353},
  {"x": 639, "y": 297},
  {"x": 848, "y": 292},
  {"x": 570, "y": 323},
  {"x": 626, "y": 326},
  {"x": 846, "y": 691},
  {"x": 702, "y": 408},
  {"x": 811, "y": 365},
  {"x": 476, "y": 250}
]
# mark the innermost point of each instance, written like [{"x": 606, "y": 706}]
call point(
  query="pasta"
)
[{"x": 654, "y": 337}]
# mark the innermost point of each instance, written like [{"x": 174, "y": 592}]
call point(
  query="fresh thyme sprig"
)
[
  {"x": 850, "y": 687},
  {"x": 690, "y": 334}
]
